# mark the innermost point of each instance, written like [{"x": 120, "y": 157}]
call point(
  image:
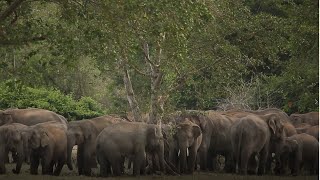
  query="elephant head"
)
[
  {"x": 275, "y": 125},
  {"x": 186, "y": 135},
  {"x": 296, "y": 119},
  {"x": 39, "y": 138},
  {"x": 76, "y": 135},
  {"x": 155, "y": 144},
  {"x": 5, "y": 118}
]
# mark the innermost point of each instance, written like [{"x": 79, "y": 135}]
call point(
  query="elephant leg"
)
[
  {"x": 137, "y": 162},
  {"x": 263, "y": 160},
  {"x": 59, "y": 167},
  {"x": 34, "y": 163},
  {"x": 229, "y": 165},
  {"x": 211, "y": 161},
  {"x": 115, "y": 160},
  {"x": 104, "y": 166},
  {"x": 252, "y": 164},
  {"x": 245, "y": 155},
  {"x": 2, "y": 168},
  {"x": 203, "y": 158},
  {"x": 80, "y": 161},
  {"x": 192, "y": 160},
  {"x": 47, "y": 166},
  {"x": 143, "y": 167},
  {"x": 87, "y": 166},
  {"x": 269, "y": 164}
]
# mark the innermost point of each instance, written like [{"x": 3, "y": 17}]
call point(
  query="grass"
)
[{"x": 72, "y": 175}]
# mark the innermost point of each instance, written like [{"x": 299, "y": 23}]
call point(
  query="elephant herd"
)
[{"x": 251, "y": 142}]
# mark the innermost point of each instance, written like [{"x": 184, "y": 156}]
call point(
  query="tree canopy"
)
[{"x": 158, "y": 56}]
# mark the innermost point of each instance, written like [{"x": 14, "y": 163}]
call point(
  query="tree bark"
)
[
  {"x": 130, "y": 94},
  {"x": 156, "y": 77}
]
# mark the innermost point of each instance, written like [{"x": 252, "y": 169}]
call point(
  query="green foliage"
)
[
  {"x": 211, "y": 52},
  {"x": 15, "y": 95}
]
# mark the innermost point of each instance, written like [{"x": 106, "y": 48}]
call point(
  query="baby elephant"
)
[
  {"x": 128, "y": 140},
  {"x": 300, "y": 151}
]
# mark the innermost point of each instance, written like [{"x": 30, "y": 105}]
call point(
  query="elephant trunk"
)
[
  {"x": 20, "y": 159},
  {"x": 183, "y": 159},
  {"x": 71, "y": 143},
  {"x": 3, "y": 156},
  {"x": 161, "y": 158}
]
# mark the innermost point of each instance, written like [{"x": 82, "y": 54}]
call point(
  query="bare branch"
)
[
  {"x": 13, "y": 6},
  {"x": 22, "y": 41},
  {"x": 147, "y": 55},
  {"x": 137, "y": 70}
]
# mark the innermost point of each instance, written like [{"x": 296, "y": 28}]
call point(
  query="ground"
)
[{"x": 66, "y": 174}]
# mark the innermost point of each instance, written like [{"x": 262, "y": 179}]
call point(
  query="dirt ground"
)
[{"x": 72, "y": 175}]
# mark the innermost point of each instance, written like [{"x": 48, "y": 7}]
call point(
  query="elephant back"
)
[{"x": 31, "y": 116}]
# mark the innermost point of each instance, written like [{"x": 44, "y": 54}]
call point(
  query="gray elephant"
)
[
  {"x": 84, "y": 133},
  {"x": 251, "y": 135},
  {"x": 129, "y": 140},
  {"x": 311, "y": 118},
  {"x": 302, "y": 128},
  {"x": 299, "y": 151},
  {"x": 215, "y": 136},
  {"x": 12, "y": 140},
  {"x": 30, "y": 116},
  {"x": 289, "y": 130},
  {"x": 184, "y": 140},
  {"x": 313, "y": 131},
  {"x": 288, "y": 127},
  {"x": 48, "y": 143}
]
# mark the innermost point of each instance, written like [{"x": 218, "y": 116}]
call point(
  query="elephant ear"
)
[
  {"x": 157, "y": 131},
  {"x": 87, "y": 131},
  {"x": 44, "y": 141},
  {"x": 6, "y": 117},
  {"x": 272, "y": 124},
  {"x": 196, "y": 131},
  {"x": 295, "y": 145}
]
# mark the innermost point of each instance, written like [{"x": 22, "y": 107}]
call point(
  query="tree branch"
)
[
  {"x": 147, "y": 55},
  {"x": 21, "y": 41},
  {"x": 13, "y": 6},
  {"x": 137, "y": 70}
]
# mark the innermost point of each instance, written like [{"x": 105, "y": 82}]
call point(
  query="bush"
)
[{"x": 15, "y": 95}]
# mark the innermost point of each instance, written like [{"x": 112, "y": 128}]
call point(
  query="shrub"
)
[{"x": 15, "y": 95}]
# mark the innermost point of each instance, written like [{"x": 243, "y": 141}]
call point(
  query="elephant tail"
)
[{"x": 238, "y": 150}]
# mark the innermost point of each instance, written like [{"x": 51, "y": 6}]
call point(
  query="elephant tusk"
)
[{"x": 187, "y": 152}]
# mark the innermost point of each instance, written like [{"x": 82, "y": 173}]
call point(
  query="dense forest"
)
[{"x": 84, "y": 58}]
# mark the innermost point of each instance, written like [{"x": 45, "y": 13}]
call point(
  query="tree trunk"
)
[
  {"x": 130, "y": 95},
  {"x": 156, "y": 77},
  {"x": 154, "y": 107}
]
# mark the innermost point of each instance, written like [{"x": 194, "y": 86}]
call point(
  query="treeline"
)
[{"x": 84, "y": 58}]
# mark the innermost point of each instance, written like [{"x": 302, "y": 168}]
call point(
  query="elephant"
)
[
  {"x": 30, "y": 116},
  {"x": 84, "y": 133},
  {"x": 288, "y": 126},
  {"x": 302, "y": 128},
  {"x": 251, "y": 135},
  {"x": 184, "y": 140},
  {"x": 313, "y": 131},
  {"x": 48, "y": 142},
  {"x": 126, "y": 139},
  {"x": 216, "y": 138},
  {"x": 289, "y": 130},
  {"x": 12, "y": 140},
  {"x": 299, "y": 151},
  {"x": 311, "y": 118}
]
